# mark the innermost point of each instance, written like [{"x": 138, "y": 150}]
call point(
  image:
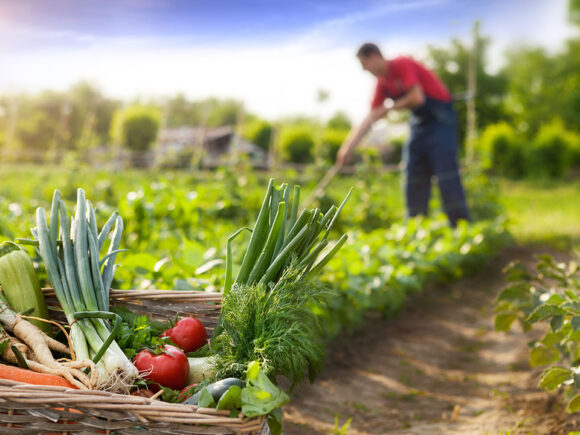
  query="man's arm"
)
[
  {"x": 357, "y": 133},
  {"x": 413, "y": 98}
]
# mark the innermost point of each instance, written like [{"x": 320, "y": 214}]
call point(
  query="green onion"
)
[
  {"x": 74, "y": 266},
  {"x": 258, "y": 239},
  {"x": 280, "y": 238}
]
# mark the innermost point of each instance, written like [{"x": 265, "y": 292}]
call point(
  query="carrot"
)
[{"x": 30, "y": 377}]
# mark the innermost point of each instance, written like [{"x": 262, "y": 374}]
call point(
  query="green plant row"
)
[
  {"x": 379, "y": 269},
  {"x": 550, "y": 296},
  {"x": 178, "y": 224}
]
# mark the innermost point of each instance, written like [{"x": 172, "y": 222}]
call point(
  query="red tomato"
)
[
  {"x": 188, "y": 333},
  {"x": 170, "y": 368},
  {"x": 187, "y": 392}
]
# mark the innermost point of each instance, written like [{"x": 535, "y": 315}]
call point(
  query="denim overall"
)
[{"x": 432, "y": 150}]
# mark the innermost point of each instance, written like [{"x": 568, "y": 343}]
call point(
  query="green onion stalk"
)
[
  {"x": 81, "y": 278},
  {"x": 282, "y": 238}
]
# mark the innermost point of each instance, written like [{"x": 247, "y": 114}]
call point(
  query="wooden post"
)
[
  {"x": 471, "y": 126},
  {"x": 234, "y": 157},
  {"x": 272, "y": 158},
  {"x": 12, "y": 121}
]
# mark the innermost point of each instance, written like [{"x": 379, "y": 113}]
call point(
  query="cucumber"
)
[
  {"x": 19, "y": 284},
  {"x": 217, "y": 390}
]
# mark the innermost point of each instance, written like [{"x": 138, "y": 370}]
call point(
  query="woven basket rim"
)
[{"x": 205, "y": 296}]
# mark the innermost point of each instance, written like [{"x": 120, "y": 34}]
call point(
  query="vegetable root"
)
[
  {"x": 42, "y": 361},
  {"x": 36, "y": 346},
  {"x": 8, "y": 353}
]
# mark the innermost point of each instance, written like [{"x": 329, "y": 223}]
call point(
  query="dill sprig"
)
[{"x": 276, "y": 327}]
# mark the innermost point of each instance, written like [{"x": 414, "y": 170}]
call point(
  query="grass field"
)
[
  {"x": 547, "y": 212},
  {"x": 539, "y": 212}
]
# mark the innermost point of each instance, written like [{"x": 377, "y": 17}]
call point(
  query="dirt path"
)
[{"x": 438, "y": 368}]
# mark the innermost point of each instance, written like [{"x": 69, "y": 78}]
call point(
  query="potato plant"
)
[{"x": 550, "y": 295}]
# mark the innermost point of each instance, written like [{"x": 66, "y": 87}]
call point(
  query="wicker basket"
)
[{"x": 34, "y": 409}]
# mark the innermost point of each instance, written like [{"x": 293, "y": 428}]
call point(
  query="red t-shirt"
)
[{"x": 404, "y": 72}]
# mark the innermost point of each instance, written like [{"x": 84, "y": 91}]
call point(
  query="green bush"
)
[
  {"x": 259, "y": 132},
  {"x": 339, "y": 121},
  {"x": 574, "y": 141},
  {"x": 501, "y": 150},
  {"x": 297, "y": 144},
  {"x": 136, "y": 127},
  {"x": 550, "y": 154},
  {"x": 332, "y": 139},
  {"x": 394, "y": 151}
]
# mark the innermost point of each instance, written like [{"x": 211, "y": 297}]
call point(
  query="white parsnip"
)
[{"x": 35, "y": 347}]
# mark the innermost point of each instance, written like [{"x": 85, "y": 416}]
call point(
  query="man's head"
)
[{"x": 371, "y": 59}]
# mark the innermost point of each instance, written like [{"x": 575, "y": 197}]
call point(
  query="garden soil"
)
[{"x": 437, "y": 368}]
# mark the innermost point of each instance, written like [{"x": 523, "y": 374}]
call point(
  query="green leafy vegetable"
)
[
  {"x": 231, "y": 400},
  {"x": 139, "y": 332},
  {"x": 3, "y": 344},
  {"x": 275, "y": 421},
  {"x": 277, "y": 328},
  {"x": 169, "y": 395},
  {"x": 261, "y": 396},
  {"x": 206, "y": 399}
]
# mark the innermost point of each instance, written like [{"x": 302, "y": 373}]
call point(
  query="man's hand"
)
[
  {"x": 356, "y": 134},
  {"x": 344, "y": 155}
]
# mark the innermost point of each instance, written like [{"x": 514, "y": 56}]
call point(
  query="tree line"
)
[{"x": 532, "y": 100}]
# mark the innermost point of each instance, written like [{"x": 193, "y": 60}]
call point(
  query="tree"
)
[
  {"x": 574, "y": 11},
  {"x": 90, "y": 116},
  {"x": 542, "y": 87},
  {"x": 451, "y": 64},
  {"x": 210, "y": 112},
  {"x": 180, "y": 112},
  {"x": 33, "y": 135},
  {"x": 40, "y": 124},
  {"x": 339, "y": 121}
]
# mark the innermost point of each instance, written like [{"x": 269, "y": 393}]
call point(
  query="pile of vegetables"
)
[
  {"x": 267, "y": 328},
  {"x": 31, "y": 347},
  {"x": 268, "y": 310}
]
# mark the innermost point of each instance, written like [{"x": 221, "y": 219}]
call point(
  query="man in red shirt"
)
[{"x": 432, "y": 145}]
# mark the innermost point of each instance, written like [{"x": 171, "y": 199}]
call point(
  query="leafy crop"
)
[
  {"x": 177, "y": 224},
  {"x": 551, "y": 295}
]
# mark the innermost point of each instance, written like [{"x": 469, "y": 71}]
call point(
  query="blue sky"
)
[
  {"x": 73, "y": 23},
  {"x": 273, "y": 55}
]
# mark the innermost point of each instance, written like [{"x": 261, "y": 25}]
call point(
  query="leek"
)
[{"x": 81, "y": 281}]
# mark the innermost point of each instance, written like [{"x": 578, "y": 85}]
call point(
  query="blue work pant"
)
[{"x": 432, "y": 151}]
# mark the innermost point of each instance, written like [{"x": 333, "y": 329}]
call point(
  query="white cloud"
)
[
  {"x": 541, "y": 23},
  {"x": 273, "y": 79}
]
